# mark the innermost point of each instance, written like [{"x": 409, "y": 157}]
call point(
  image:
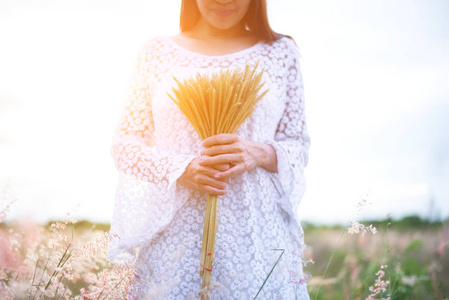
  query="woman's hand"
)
[
  {"x": 241, "y": 154},
  {"x": 202, "y": 178}
]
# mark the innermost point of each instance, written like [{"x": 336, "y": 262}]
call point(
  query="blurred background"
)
[{"x": 377, "y": 104}]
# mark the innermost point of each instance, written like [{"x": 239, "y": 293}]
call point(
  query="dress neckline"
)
[{"x": 237, "y": 53}]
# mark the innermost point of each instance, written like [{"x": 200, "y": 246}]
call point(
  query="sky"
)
[{"x": 377, "y": 102}]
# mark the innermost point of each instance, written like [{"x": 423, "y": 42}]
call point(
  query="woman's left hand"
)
[{"x": 241, "y": 154}]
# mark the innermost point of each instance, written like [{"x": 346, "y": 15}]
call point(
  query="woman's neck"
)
[
  {"x": 208, "y": 40},
  {"x": 205, "y": 31}
]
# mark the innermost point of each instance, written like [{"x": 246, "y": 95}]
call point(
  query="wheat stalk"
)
[{"x": 216, "y": 104}]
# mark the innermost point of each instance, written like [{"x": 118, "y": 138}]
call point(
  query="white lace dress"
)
[{"x": 160, "y": 222}]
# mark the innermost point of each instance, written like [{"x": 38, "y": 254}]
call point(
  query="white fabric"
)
[{"x": 160, "y": 222}]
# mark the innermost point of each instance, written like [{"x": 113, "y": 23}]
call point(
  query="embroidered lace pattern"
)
[{"x": 160, "y": 222}]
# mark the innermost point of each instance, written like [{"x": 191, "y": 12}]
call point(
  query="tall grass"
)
[
  {"x": 406, "y": 259},
  {"x": 412, "y": 254}
]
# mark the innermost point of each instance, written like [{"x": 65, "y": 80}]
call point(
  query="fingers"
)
[
  {"x": 238, "y": 165},
  {"x": 212, "y": 181},
  {"x": 221, "y": 159},
  {"x": 213, "y": 191},
  {"x": 222, "y": 167},
  {"x": 209, "y": 183},
  {"x": 202, "y": 178},
  {"x": 204, "y": 172},
  {"x": 220, "y": 139},
  {"x": 237, "y": 169},
  {"x": 223, "y": 149},
  {"x": 228, "y": 149}
]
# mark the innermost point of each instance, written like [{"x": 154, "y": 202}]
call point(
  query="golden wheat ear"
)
[{"x": 215, "y": 104}]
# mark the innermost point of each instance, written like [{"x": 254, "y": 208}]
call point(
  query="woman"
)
[{"x": 166, "y": 171}]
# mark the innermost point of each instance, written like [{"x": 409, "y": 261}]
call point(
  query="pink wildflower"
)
[
  {"x": 379, "y": 286},
  {"x": 357, "y": 227}
]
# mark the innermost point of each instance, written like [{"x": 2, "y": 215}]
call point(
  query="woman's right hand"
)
[{"x": 202, "y": 178}]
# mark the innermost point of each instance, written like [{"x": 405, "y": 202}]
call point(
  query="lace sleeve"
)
[
  {"x": 291, "y": 141},
  {"x": 147, "y": 195}
]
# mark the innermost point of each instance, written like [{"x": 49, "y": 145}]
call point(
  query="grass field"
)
[
  {"x": 67, "y": 260},
  {"x": 415, "y": 253}
]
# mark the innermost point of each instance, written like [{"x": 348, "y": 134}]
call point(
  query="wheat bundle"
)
[{"x": 213, "y": 105}]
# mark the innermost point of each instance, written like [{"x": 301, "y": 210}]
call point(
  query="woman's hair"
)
[{"x": 256, "y": 19}]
